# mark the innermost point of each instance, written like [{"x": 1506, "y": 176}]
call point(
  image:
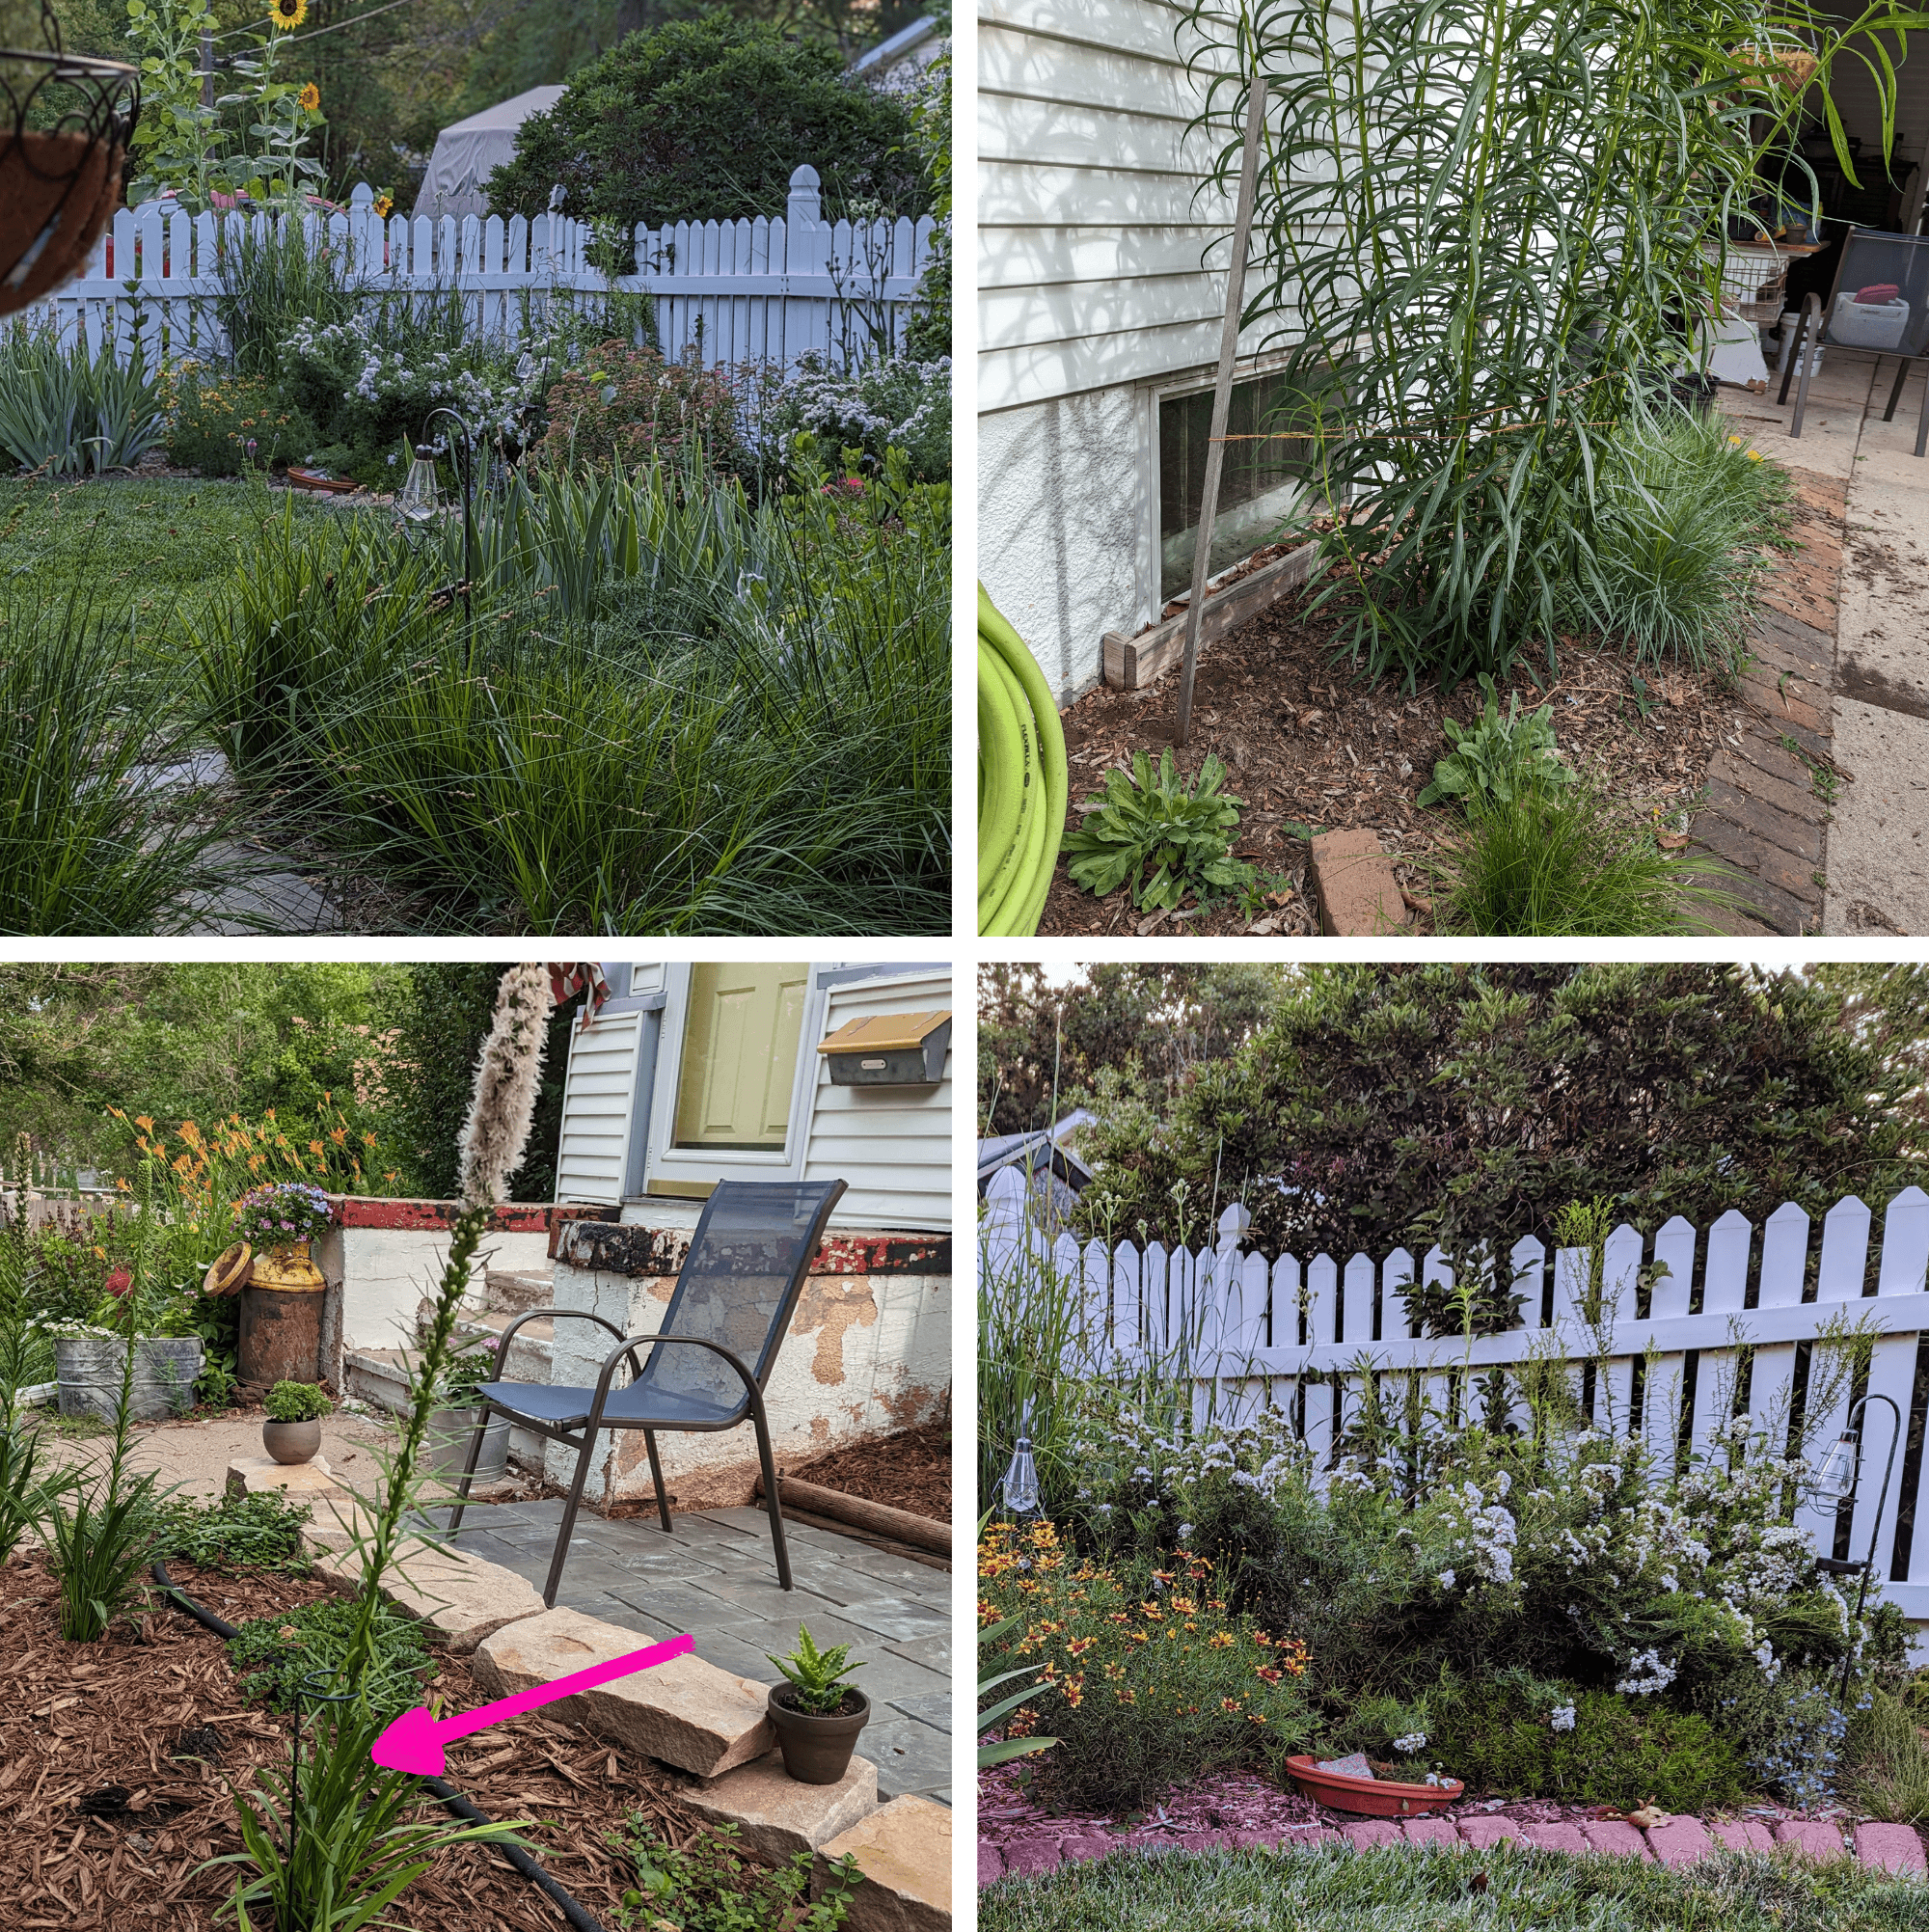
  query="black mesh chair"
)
[
  {"x": 706, "y": 1367},
  {"x": 1894, "y": 269}
]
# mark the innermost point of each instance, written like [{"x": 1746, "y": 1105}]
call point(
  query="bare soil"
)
[
  {"x": 1310, "y": 745},
  {"x": 110, "y": 1819}
]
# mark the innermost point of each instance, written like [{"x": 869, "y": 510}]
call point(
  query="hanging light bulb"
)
[
  {"x": 418, "y": 502},
  {"x": 1835, "y": 1481},
  {"x": 1021, "y": 1480}
]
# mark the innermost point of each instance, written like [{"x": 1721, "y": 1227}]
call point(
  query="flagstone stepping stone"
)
[
  {"x": 904, "y": 1850},
  {"x": 460, "y": 1600},
  {"x": 776, "y": 1817}
]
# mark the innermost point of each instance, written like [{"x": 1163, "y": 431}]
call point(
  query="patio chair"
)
[
  {"x": 1896, "y": 323},
  {"x": 706, "y": 1366}
]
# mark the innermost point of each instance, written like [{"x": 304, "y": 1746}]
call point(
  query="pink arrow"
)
[{"x": 414, "y": 1742}]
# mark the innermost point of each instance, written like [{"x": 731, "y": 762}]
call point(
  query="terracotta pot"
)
[
  {"x": 1372, "y": 1797},
  {"x": 291, "y": 1441},
  {"x": 56, "y": 194},
  {"x": 817, "y": 1750}
]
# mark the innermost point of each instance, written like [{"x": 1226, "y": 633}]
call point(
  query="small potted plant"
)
[
  {"x": 816, "y": 1715},
  {"x": 292, "y": 1432}
]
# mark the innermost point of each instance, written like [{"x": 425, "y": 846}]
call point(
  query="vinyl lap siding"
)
[
  {"x": 891, "y": 1145},
  {"x": 599, "y": 1093},
  {"x": 1092, "y": 224}
]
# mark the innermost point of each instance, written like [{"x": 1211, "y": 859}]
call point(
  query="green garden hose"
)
[{"x": 1021, "y": 780}]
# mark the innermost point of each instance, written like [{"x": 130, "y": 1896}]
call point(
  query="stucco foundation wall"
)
[
  {"x": 1062, "y": 518},
  {"x": 868, "y": 1351},
  {"x": 387, "y": 1255}
]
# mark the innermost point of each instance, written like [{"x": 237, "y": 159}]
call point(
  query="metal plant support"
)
[
  {"x": 1222, "y": 394},
  {"x": 1841, "y": 1475},
  {"x": 65, "y": 124}
]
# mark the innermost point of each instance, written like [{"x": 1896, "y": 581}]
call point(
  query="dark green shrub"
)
[
  {"x": 659, "y": 130},
  {"x": 1620, "y": 1752}
]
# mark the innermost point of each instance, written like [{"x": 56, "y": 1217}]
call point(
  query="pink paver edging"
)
[
  {"x": 1813, "y": 1840},
  {"x": 1431, "y": 1832},
  {"x": 1614, "y": 1836},
  {"x": 1681, "y": 1841},
  {"x": 1890, "y": 1847},
  {"x": 1484, "y": 1834}
]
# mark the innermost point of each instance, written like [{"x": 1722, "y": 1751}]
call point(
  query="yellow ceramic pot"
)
[{"x": 289, "y": 1269}]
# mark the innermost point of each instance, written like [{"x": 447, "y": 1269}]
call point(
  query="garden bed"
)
[
  {"x": 1310, "y": 747},
  {"x": 140, "y": 1699},
  {"x": 910, "y": 1470}
]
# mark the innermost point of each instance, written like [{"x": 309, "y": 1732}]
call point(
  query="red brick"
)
[
  {"x": 1681, "y": 1841},
  {"x": 1087, "y": 1845},
  {"x": 1890, "y": 1847},
  {"x": 1822, "y": 1843},
  {"x": 1484, "y": 1834},
  {"x": 1616, "y": 1836},
  {"x": 1555, "y": 1838},
  {"x": 1744, "y": 1835},
  {"x": 1364, "y": 1833},
  {"x": 1431, "y": 1832},
  {"x": 991, "y": 1865},
  {"x": 1032, "y": 1855},
  {"x": 1359, "y": 897}
]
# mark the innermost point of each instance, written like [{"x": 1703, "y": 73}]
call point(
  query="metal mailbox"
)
[{"x": 889, "y": 1050}]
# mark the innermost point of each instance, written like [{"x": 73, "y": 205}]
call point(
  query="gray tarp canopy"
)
[{"x": 469, "y": 153}]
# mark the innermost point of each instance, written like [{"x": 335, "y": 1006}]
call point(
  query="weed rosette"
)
[{"x": 1145, "y": 1675}]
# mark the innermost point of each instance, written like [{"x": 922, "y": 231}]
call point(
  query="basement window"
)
[{"x": 1259, "y": 485}]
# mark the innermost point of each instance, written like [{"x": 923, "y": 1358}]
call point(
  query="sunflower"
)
[
  {"x": 287, "y": 13},
  {"x": 310, "y": 96},
  {"x": 384, "y": 204}
]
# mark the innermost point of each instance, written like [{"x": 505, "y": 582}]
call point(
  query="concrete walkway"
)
[{"x": 1875, "y": 863}]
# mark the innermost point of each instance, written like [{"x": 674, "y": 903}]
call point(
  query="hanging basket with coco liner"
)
[{"x": 65, "y": 120}]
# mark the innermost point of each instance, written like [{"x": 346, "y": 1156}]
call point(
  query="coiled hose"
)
[
  {"x": 1021, "y": 780},
  {"x": 580, "y": 1916}
]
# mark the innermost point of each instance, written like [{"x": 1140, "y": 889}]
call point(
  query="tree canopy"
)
[
  {"x": 705, "y": 120},
  {"x": 1376, "y": 1106}
]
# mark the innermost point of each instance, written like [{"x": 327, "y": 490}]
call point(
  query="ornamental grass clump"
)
[{"x": 1147, "y": 1677}]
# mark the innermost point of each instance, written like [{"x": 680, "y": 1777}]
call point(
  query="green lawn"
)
[
  {"x": 1401, "y": 1891},
  {"x": 143, "y": 547}
]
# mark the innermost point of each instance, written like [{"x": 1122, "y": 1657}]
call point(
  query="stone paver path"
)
[
  {"x": 714, "y": 1576},
  {"x": 1896, "y": 1848}
]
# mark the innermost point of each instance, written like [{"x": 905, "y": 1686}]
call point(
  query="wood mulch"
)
[
  {"x": 1311, "y": 747},
  {"x": 910, "y": 1470},
  {"x": 110, "y": 1819}
]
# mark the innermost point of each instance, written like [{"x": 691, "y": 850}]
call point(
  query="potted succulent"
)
[
  {"x": 292, "y": 1432},
  {"x": 816, "y": 1715},
  {"x": 454, "y": 1418}
]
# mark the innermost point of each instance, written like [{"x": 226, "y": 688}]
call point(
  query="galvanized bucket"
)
[
  {"x": 447, "y": 1447},
  {"x": 165, "y": 1367}
]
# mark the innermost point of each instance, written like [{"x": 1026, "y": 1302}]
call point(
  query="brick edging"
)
[
  {"x": 1675, "y": 1841},
  {"x": 369, "y": 1211},
  {"x": 1764, "y": 816}
]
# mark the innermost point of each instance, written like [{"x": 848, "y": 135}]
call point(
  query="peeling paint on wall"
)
[{"x": 832, "y": 1306}]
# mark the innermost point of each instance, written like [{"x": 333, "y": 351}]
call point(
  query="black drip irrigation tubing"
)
[{"x": 580, "y": 1916}]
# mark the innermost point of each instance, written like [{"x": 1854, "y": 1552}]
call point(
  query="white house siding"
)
[
  {"x": 1094, "y": 289},
  {"x": 599, "y": 1097},
  {"x": 891, "y": 1145}
]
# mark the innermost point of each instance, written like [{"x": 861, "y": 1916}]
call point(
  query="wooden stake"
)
[{"x": 1222, "y": 394}]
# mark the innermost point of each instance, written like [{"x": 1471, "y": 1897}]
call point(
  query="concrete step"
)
[
  {"x": 515, "y": 1292},
  {"x": 380, "y": 1376}
]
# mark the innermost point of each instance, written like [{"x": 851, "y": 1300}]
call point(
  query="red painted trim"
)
[{"x": 362, "y": 1211}]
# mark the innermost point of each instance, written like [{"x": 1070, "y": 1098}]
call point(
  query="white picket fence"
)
[
  {"x": 1247, "y": 1330},
  {"x": 736, "y": 291}
]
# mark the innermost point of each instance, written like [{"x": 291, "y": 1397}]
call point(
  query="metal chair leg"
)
[
  {"x": 1895, "y": 394},
  {"x": 771, "y": 1493},
  {"x": 469, "y": 1470},
  {"x": 1807, "y": 362},
  {"x": 568, "y": 1520},
  {"x": 657, "y": 1477},
  {"x": 1922, "y": 425},
  {"x": 1791, "y": 355}
]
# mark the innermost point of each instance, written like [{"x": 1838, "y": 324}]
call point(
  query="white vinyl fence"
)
[
  {"x": 1720, "y": 1334},
  {"x": 734, "y": 292}
]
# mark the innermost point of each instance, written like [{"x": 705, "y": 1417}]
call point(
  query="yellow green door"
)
[{"x": 740, "y": 1046}]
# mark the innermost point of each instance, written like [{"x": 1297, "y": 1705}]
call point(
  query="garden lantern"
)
[
  {"x": 1836, "y": 1484},
  {"x": 1021, "y": 1480},
  {"x": 418, "y": 500}
]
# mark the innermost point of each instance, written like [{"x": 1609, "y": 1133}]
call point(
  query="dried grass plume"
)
[{"x": 497, "y": 1127}]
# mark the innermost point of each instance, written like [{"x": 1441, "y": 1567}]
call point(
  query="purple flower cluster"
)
[{"x": 282, "y": 1213}]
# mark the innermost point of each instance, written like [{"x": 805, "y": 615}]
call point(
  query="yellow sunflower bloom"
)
[
  {"x": 384, "y": 204},
  {"x": 287, "y": 13},
  {"x": 310, "y": 96}
]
